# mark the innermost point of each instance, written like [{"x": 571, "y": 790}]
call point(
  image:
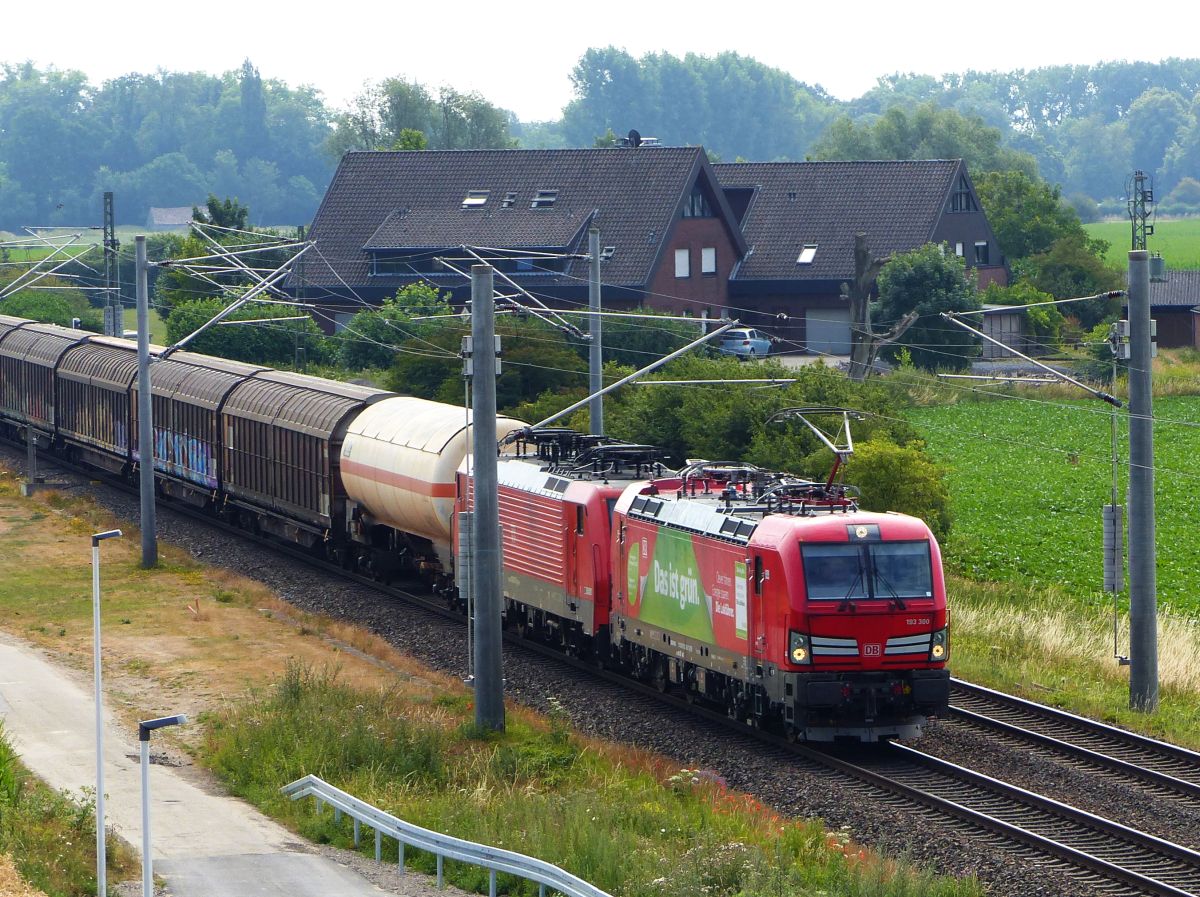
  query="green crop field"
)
[
  {"x": 1178, "y": 239},
  {"x": 1028, "y": 479}
]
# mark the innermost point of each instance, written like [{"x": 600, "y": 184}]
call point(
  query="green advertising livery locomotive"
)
[{"x": 803, "y": 615}]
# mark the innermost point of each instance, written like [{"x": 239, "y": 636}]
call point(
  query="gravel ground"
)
[{"x": 785, "y": 783}]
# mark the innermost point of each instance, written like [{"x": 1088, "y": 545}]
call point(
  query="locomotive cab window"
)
[
  {"x": 580, "y": 515},
  {"x": 841, "y": 571}
]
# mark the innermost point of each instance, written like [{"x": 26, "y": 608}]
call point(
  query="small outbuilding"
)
[{"x": 162, "y": 219}]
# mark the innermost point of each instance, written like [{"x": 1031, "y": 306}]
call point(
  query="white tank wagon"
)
[{"x": 398, "y": 463}]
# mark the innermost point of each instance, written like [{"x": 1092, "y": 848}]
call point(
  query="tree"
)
[
  {"x": 635, "y": 343},
  {"x": 891, "y": 477},
  {"x": 928, "y": 133},
  {"x": 223, "y": 212},
  {"x": 270, "y": 344},
  {"x": 371, "y": 338},
  {"x": 1154, "y": 119},
  {"x": 1026, "y": 213},
  {"x": 929, "y": 281},
  {"x": 1074, "y": 267}
]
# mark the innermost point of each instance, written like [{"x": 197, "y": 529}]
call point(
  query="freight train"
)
[{"x": 770, "y": 597}]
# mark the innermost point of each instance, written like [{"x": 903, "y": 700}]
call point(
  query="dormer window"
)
[
  {"x": 807, "y": 254},
  {"x": 961, "y": 199},
  {"x": 475, "y": 199},
  {"x": 544, "y": 199},
  {"x": 696, "y": 205}
]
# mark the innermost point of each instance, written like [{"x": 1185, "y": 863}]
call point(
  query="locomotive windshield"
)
[{"x": 841, "y": 571}]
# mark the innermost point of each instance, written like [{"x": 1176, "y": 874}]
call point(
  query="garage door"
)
[{"x": 828, "y": 330}]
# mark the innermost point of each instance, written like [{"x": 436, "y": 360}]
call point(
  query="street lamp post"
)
[
  {"x": 144, "y": 729},
  {"x": 101, "y": 856}
]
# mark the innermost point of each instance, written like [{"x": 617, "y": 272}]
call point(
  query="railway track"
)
[
  {"x": 1114, "y": 858},
  {"x": 1106, "y": 857},
  {"x": 1162, "y": 768}
]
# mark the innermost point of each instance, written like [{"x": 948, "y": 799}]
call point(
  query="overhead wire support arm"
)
[
  {"x": 262, "y": 286},
  {"x": 953, "y": 318},
  {"x": 26, "y": 280},
  {"x": 563, "y": 324},
  {"x": 511, "y": 300}
]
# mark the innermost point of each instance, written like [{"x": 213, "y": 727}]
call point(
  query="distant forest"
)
[{"x": 172, "y": 138}]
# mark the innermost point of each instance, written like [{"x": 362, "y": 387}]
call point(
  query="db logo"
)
[{"x": 871, "y": 650}]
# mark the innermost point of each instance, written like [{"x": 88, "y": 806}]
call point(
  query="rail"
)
[{"x": 442, "y": 846}]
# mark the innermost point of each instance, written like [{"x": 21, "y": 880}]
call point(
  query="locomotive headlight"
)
[
  {"x": 798, "y": 649},
  {"x": 938, "y": 647}
]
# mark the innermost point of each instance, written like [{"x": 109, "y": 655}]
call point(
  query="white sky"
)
[{"x": 520, "y": 55}]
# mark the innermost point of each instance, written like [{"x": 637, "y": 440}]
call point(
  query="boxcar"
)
[
  {"x": 29, "y": 355},
  {"x": 94, "y": 411},
  {"x": 188, "y": 391},
  {"x": 282, "y": 435}
]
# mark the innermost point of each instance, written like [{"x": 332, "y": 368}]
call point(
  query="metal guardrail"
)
[{"x": 442, "y": 846}]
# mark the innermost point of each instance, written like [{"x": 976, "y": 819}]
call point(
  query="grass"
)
[
  {"x": 626, "y": 822},
  {"x": 50, "y": 835},
  {"x": 158, "y": 327},
  {"x": 1028, "y": 478},
  {"x": 1178, "y": 239}
]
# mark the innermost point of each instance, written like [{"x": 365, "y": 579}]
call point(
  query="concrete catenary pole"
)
[
  {"x": 1143, "y": 616},
  {"x": 145, "y": 412},
  {"x": 595, "y": 352},
  {"x": 485, "y": 560}
]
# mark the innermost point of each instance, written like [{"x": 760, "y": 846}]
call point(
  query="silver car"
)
[{"x": 745, "y": 343}]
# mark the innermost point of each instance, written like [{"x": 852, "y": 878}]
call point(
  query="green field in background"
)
[
  {"x": 1177, "y": 239},
  {"x": 1028, "y": 479}
]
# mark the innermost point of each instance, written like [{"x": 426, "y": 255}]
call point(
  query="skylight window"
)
[
  {"x": 807, "y": 254},
  {"x": 509, "y": 198},
  {"x": 544, "y": 199},
  {"x": 475, "y": 198},
  {"x": 607, "y": 252}
]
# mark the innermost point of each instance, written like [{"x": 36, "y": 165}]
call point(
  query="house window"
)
[
  {"x": 807, "y": 254},
  {"x": 509, "y": 199},
  {"x": 696, "y": 205},
  {"x": 961, "y": 199},
  {"x": 475, "y": 199},
  {"x": 981, "y": 253},
  {"x": 683, "y": 263},
  {"x": 958, "y": 249},
  {"x": 544, "y": 199},
  {"x": 708, "y": 260}
]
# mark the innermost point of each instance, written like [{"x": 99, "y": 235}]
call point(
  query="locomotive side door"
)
[{"x": 756, "y": 576}]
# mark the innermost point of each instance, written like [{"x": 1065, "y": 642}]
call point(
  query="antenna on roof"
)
[{"x": 635, "y": 139}]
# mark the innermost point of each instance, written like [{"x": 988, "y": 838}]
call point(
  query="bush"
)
[
  {"x": 265, "y": 343},
  {"x": 901, "y": 478}
]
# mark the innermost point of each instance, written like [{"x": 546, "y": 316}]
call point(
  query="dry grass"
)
[{"x": 11, "y": 883}]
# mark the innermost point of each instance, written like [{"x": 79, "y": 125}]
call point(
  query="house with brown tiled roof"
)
[
  {"x": 668, "y": 235},
  {"x": 800, "y": 218}
]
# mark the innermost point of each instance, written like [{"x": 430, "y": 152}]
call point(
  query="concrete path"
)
[{"x": 204, "y": 844}]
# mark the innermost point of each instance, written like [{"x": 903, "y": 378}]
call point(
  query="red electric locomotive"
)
[
  {"x": 789, "y": 607},
  {"x": 556, "y": 496}
]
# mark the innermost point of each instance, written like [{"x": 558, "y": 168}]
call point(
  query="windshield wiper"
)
[
  {"x": 897, "y": 601},
  {"x": 846, "y": 603}
]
